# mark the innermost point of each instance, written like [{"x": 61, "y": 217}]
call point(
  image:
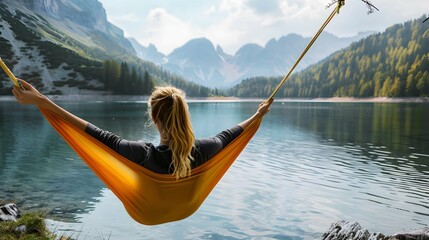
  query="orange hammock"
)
[
  {"x": 148, "y": 197},
  {"x": 151, "y": 198}
]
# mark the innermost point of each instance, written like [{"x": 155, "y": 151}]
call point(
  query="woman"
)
[{"x": 178, "y": 151}]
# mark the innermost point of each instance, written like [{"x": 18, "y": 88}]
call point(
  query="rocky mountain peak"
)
[{"x": 87, "y": 13}]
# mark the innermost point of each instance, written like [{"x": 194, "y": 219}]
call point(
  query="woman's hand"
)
[
  {"x": 31, "y": 96},
  {"x": 28, "y": 96},
  {"x": 264, "y": 107}
]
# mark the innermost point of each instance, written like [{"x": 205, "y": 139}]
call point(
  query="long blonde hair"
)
[{"x": 168, "y": 106}]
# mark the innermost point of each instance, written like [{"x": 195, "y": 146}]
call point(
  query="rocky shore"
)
[
  {"x": 14, "y": 225},
  {"x": 345, "y": 230}
]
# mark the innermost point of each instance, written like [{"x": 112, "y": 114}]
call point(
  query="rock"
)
[
  {"x": 345, "y": 230},
  {"x": 9, "y": 212},
  {"x": 21, "y": 229},
  {"x": 417, "y": 234}
]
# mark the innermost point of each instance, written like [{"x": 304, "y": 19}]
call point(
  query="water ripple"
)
[{"x": 297, "y": 175}]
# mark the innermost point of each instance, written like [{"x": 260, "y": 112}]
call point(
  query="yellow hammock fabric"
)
[
  {"x": 148, "y": 197},
  {"x": 151, "y": 198}
]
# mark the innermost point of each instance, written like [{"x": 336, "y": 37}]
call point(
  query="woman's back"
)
[{"x": 159, "y": 158}]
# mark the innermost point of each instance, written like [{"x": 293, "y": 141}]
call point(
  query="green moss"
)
[{"x": 36, "y": 229}]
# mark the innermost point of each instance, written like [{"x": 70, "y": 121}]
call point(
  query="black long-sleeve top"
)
[{"x": 158, "y": 158}]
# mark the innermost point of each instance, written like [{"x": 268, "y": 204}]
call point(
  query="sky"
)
[{"x": 169, "y": 24}]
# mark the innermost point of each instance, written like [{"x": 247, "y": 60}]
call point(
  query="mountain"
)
[
  {"x": 84, "y": 21},
  {"x": 149, "y": 53},
  {"x": 394, "y": 63},
  {"x": 58, "y": 45},
  {"x": 199, "y": 61},
  {"x": 69, "y": 47}
]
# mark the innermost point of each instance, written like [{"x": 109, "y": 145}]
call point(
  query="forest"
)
[
  {"x": 394, "y": 63},
  {"x": 134, "y": 79}
]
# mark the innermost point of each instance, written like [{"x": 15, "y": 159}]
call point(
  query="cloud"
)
[
  {"x": 166, "y": 31},
  {"x": 232, "y": 29},
  {"x": 245, "y": 21},
  {"x": 233, "y": 23},
  {"x": 264, "y": 7},
  {"x": 126, "y": 18},
  {"x": 232, "y": 6},
  {"x": 210, "y": 10}
]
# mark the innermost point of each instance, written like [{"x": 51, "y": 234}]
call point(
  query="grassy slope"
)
[{"x": 36, "y": 229}]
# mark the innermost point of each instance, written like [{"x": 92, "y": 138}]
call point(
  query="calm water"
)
[{"x": 310, "y": 164}]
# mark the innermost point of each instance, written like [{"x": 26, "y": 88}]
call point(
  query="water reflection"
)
[
  {"x": 374, "y": 127},
  {"x": 34, "y": 170},
  {"x": 375, "y": 153},
  {"x": 39, "y": 171},
  {"x": 309, "y": 164}
]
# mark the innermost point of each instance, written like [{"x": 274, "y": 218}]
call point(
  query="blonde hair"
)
[{"x": 168, "y": 106}]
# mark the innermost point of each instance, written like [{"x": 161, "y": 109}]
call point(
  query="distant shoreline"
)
[
  {"x": 125, "y": 98},
  {"x": 333, "y": 99},
  {"x": 374, "y": 99}
]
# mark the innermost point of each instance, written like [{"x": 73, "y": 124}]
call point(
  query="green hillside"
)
[{"x": 394, "y": 63}]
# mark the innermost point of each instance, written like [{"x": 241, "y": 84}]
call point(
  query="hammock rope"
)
[{"x": 310, "y": 44}]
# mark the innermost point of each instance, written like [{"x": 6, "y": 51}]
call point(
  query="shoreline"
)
[
  {"x": 332, "y": 99},
  {"x": 132, "y": 98}
]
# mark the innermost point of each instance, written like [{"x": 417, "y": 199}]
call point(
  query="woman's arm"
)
[
  {"x": 263, "y": 109},
  {"x": 34, "y": 97}
]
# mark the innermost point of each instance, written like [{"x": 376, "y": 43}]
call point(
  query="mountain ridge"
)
[
  {"x": 250, "y": 60},
  {"x": 63, "y": 54},
  {"x": 394, "y": 63}
]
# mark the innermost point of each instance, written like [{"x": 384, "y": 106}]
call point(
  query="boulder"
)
[
  {"x": 345, "y": 230},
  {"x": 416, "y": 234},
  {"x": 9, "y": 212}
]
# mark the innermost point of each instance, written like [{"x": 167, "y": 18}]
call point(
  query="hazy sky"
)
[{"x": 231, "y": 23}]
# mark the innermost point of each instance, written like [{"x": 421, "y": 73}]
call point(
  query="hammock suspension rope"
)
[{"x": 340, "y": 4}]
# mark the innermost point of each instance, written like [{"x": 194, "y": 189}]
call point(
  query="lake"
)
[{"x": 309, "y": 165}]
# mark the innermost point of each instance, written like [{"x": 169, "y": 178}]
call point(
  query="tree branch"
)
[
  {"x": 333, "y": 2},
  {"x": 370, "y": 6},
  {"x": 426, "y": 19}
]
